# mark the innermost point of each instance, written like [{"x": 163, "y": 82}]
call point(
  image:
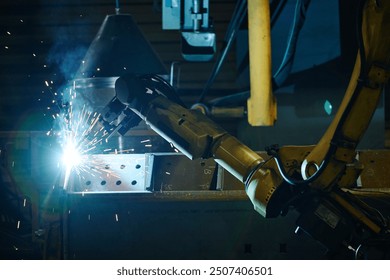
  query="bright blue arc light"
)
[{"x": 71, "y": 156}]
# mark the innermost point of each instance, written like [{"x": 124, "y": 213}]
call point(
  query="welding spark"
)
[
  {"x": 81, "y": 133},
  {"x": 71, "y": 156}
]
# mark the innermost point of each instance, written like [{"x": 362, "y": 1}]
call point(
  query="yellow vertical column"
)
[{"x": 261, "y": 103}]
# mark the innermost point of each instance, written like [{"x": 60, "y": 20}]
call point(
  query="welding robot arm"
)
[
  {"x": 197, "y": 136},
  {"x": 271, "y": 185},
  {"x": 313, "y": 179}
]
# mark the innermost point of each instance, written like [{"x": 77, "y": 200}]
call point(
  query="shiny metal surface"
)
[{"x": 109, "y": 173}]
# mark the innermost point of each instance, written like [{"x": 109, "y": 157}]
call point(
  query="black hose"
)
[
  {"x": 285, "y": 67},
  {"x": 294, "y": 182},
  {"x": 276, "y": 8},
  {"x": 239, "y": 8},
  {"x": 239, "y": 15}
]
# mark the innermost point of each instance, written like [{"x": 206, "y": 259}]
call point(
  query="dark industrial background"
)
[{"x": 42, "y": 44}]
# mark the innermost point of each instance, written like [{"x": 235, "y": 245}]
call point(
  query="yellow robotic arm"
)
[
  {"x": 311, "y": 179},
  {"x": 370, "y": 74}
]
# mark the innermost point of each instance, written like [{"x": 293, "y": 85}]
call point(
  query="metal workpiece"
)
[
  {"x": 171, "y": 172},
  {"x": 152, "y": 177},
  {"x": 167, "y": 196},
  {"x": 166, "y": 175},
  {"x": 109, "y": 173}
]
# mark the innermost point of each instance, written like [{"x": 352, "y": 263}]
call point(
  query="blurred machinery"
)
[{"x": 191, "y": 17}]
